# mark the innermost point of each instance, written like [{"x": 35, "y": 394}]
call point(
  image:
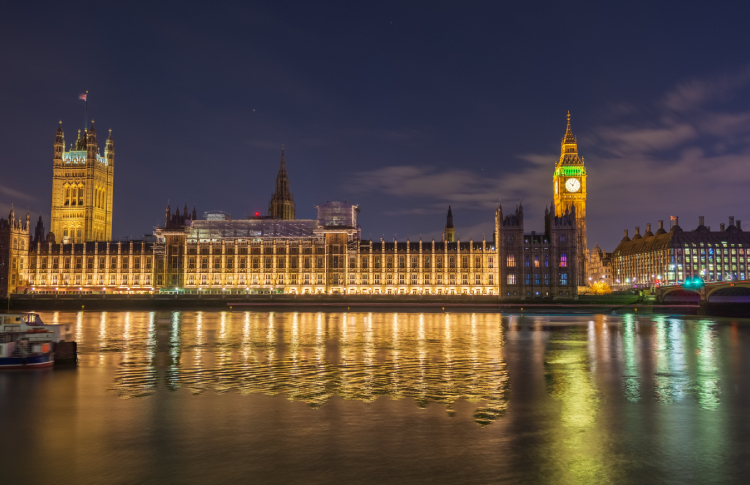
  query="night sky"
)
[{"x": 400, "y": 107}]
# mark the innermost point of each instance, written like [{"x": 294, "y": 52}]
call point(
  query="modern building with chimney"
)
[{"x": 671, "y": 257}]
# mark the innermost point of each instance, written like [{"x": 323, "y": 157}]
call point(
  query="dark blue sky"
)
[{"x": 400, "y": 107}]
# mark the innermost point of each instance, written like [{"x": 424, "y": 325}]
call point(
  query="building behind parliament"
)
[{"x": 278, "y": 253}]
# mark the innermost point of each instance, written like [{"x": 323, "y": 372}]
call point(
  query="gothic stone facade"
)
[
  {"x": 82, "y": 182},
  {"x": 569, "y": 184},
  {"x": 600, "y": 267},
  {"x": 297, "y": 257},
  {"x": 282, "y": 254},
  {"x": 14, "y": 251},
  {"x": 537, "y": 265}
]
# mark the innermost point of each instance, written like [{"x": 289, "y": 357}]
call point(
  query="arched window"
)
[
  {"x": 67, "y": 195},
  {"x": 65, "y": 232},
  {"x": 80, "y": 195}
]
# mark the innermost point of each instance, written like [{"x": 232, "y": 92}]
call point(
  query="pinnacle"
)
[{"x": 569, "y": 137}]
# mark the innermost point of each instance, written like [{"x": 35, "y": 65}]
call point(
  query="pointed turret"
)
[
  {"x": 282, "y": 202},
  {"x": 91, "y": 148},
  {"x": 39, "y": 231},
  {"x": 81, "y": 141},
  {"x": 59, "y": 144},
  {"x": 450, "y": 232},
  {"x": 194, "y": 214},
  {"x": 109, "y": 149}
]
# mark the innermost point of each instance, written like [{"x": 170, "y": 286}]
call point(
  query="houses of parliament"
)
[{"x": 278, "y": 253}]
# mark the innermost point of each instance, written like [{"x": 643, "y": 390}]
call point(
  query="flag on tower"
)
[{"x": 82, "y": 96}]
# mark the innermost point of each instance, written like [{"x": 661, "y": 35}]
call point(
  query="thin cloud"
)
[
  {"x": 16, "y": 194},
  {"x": 625, "y": 139},
  {"x": 693, "y": 94}
]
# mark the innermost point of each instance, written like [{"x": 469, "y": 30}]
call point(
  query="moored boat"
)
[
  {"x": 17, "y": 352},
  {"x": 31, "y": 324}
]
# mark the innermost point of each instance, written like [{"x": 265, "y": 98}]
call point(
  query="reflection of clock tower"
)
[{"x": 569, "y": 185}]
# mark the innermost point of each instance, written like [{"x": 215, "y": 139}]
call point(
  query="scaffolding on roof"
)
[
  {"x": 337, "y": 214},
  {"x": 251, "y": 229}
]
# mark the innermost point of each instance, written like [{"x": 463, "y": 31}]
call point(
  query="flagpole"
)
[{"x": 86, "y": 114}]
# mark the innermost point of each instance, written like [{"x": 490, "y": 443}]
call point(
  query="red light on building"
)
[{"x": 257, "y": 214}]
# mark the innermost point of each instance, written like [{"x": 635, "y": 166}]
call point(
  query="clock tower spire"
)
[{"x": 569, "y": 186}]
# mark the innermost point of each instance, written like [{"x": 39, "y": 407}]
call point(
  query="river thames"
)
[{"x": 220, "y": 397}]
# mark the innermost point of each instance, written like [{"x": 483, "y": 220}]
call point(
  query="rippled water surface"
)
[{"x": 220, "y": 397}]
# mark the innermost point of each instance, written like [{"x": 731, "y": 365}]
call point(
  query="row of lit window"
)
[
  {"x": 538, "y": 260},
  {"x": 91, "y": 262},
  {"x": 19, "y": 243},
  {"x": 336, "y": 262},
  {"x": 709, "y": 249},
  {"x": 269, "y": 249},
  {"x": 336, "y": 279},
  {"x": 733, "y": 261},
  {"x": 79, "y": 279},
  {"x": 537, "y": 278}
]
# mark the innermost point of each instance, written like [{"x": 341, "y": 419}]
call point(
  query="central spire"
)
[
  {"x": 282, "y": 181},
  {"x": 450, "y": 232},
  {"x": 282, "y": 202}
]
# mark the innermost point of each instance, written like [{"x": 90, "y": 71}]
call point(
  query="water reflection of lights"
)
[
  {"x": 427, "y": 358},
  {"x": 670, "y": 380},
  {"x": 137, "y": 372},
  {"x": 631, "y": 372},
  {"x": 570, "y": 381},
  {"x": 103, "y": 331},
  {"x": 79, "y": 326},
  {"x": 706, "y": 387}
]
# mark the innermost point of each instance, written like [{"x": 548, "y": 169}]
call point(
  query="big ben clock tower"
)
[{"x": 569, "y": 185}]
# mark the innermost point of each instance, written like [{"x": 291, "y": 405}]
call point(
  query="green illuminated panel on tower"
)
[{"x": 568, "y": 171}]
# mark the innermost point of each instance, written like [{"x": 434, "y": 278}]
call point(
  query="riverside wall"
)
[{"x": 618, "y": 304}]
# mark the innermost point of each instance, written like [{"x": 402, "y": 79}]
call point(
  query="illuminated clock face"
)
[{"x": 573, "y": 185}]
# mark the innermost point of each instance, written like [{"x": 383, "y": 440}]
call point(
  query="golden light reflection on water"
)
[
  {"x": 313, "y": 357},
  {"x": 440, "y": 358},
  {"x": 569, "y": 378},
  {"x": 595, "y": 399}
]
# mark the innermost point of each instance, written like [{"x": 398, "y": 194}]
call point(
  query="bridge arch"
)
[
  {"x": 681, "y": 295},
  {"x": 729, "y": 294}
]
